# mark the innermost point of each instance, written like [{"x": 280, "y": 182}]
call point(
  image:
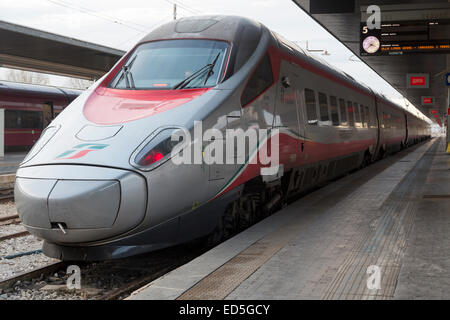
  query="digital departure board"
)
[{"x": 406, "y": 31}]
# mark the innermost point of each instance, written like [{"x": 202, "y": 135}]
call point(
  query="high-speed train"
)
[{"x": 101, "y": 184}]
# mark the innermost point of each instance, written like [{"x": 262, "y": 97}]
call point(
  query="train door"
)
[
  {"x": 287, "y": 115},
  {"x": 47, "y": 114},
  {"x": 380, "y": 126},
  {"x": 405, "y": 143}
]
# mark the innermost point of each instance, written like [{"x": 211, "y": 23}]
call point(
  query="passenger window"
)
[
  {"x": 351, "y": 117},
  {"x": 310, "y": 102},
  {"x": 368, "y": 120},
  {"x": 19, "y": 119},
  {"x": 357, "y": 115},
  {"x": 323, "y": 107},
  {"x": 334, "y": 111},
  {"x": 343, "y": 111},
  {"x": 363, "y": 116},
  {"x": 261, "y": 79},
  {"x": 385, "y": 120}
]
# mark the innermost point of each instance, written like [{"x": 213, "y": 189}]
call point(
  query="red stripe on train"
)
[{"x": 313, "y": 152}]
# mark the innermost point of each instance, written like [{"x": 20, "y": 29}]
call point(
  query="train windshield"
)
[{"x": 173, "y": 64}]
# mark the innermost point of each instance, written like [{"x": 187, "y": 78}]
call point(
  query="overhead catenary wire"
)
[
  {"x": 160, "y": 21},
  {"x": 137, "y": 27},
  {"x": 141, "y": 29},
  {"x": 184, "y": 7}
]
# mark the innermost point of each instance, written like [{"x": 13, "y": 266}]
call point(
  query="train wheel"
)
[
  {"x": 231, "y": 219},
  {"x": 228, "y": 225},
  {"x": 367, "y": 159},
  {"x": 247, "y": 212},
  {"x": 382, "y": 154},
  {"x": 217, "y": 235}
]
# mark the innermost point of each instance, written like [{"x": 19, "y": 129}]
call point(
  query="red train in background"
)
[{"x": 29, "y": 109}]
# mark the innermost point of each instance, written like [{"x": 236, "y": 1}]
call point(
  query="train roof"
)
[
  {"x": 221, "y": 27},
  {"x": 15, "y": 88},
  {"x": 296, "y": 50},
  {"x": 243, "y": 33}
]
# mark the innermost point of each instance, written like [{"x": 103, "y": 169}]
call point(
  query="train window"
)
[
  {"x": 368, "y": 120},
  {"x": 20, "y": 119},
  {"x": 351, "y": 116},
  {"x": 334, "y": 111},
  {"x": 173, "y": 64},
  {"x": 357, "y": 115},
  {"x": 310, "y": 102},
  {"x": 12, "y": 120},
  {"x": 323, "y": 107},
  {"x": 261, "y": 79},
  {"x": 363, "y": 116},
  {"x": 386, "y": 121},
  {"x": 343, "y": 111}
]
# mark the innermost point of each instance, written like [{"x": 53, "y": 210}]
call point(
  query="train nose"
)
[{"x": 79, "y": 204}]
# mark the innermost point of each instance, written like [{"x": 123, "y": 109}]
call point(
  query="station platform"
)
[
  {"x": 394, "y": 215},
  {"x": 10, "y": 162}
]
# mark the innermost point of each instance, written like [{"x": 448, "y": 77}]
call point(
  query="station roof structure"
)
[
  {"x": 343, "y": 20},
  {"x": 35, "y": 50}
]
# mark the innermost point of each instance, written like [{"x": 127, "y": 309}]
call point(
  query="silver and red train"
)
[
  {"x": 99, "y": 184},
  {"x": 29, "y": 109}
]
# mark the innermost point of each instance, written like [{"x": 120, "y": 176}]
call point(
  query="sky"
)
[{"x": 120, "y": 24}]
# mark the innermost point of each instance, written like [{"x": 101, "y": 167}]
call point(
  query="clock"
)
[{"x": 371, "y": 44}]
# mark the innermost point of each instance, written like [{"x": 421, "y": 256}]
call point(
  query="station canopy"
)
[
  {"x": 410, "y": 50},
  {"x": 34, "y": 50}
]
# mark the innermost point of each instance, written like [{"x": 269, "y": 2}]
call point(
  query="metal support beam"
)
[
  {"x": 29, "y": 64},
  {"x": 35, "y": 50}
]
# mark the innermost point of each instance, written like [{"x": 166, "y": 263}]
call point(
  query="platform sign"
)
[
  {"x": 447, "y": 79},
  {"x": 406, "y": 29},
  {"x": 417, "y": 80},
  {"x": 427, "y": 101}
]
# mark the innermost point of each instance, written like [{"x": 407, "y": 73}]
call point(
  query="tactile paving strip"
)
[{"x": 225, "y": 279}]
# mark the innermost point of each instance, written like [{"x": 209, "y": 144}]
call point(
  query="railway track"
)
[
  {"x": 14, "y": 235},
  {"x": 108, "y": 280},
  {"x": 11, "y": 219},
  {"x": 6, "y": 194}
]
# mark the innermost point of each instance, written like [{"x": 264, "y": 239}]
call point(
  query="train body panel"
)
[{"x": 115, "y": 136}]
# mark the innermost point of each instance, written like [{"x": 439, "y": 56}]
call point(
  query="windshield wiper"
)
[
  {"x": 128, "y": 74},
  {"x": 197, "y": 73},
  {"x": 212, "y": 68}
]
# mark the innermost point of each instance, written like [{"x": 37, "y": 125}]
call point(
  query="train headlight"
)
[
  {"x": 46, "y": 135},
  {"x": 157, "y": 149}
]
